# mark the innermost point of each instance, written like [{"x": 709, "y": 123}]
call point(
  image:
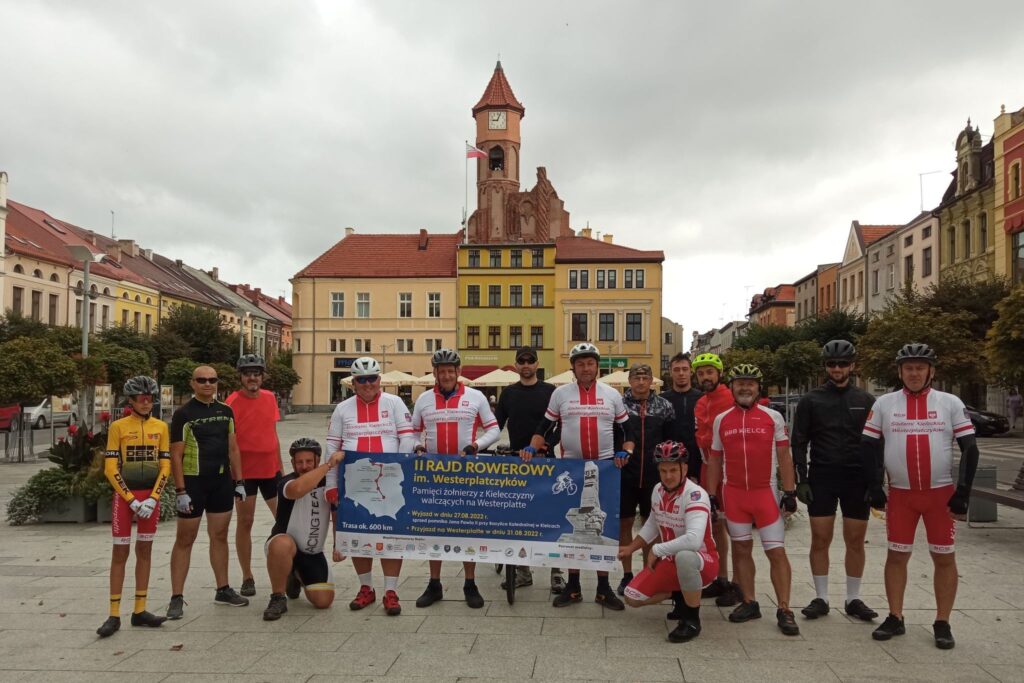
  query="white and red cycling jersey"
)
[
  {"x": 681, "y": 519},
  {"x": 382, "y": 425},
  {"x": 918, "y": 431},
  {"x": 450, "y": 424},
  {"x": 588, "y": 417},
  {"x": 747, "y": 440}
]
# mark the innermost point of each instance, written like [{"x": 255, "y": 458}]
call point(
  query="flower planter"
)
[
  {"x": 105, "y": 509},
  {"x": 74, "y": 509}
]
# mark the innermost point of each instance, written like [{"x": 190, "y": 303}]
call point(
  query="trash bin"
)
[{"x": 983, "y": 510}]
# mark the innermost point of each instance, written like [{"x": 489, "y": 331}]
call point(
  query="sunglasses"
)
[
  {"x": 251, "y": 373},
  {"x": 526, "y": 360},
  {"x": 205, "y": 380},
  {"x": 367, "y": 379},
  {"x": 837, "y": 364}
]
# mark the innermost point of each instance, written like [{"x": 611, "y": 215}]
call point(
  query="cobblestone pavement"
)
[{"x": 53, "y": 595}]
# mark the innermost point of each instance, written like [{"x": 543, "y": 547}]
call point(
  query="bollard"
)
[{"x": 984, "y": 510}]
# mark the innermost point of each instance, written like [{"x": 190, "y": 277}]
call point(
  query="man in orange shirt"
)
[
  {"x": 716, "y": 400},
  {"x": 256, "y": 417}
]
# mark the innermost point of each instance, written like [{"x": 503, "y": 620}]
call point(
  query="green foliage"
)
[
  {"x": 38, "y": 493},
  {"x": 32, "y": 368},
  {"x": 836, "y": 324},
  {"x": 206, "y": 334},
  {"x": 77, "y": 452},
  {"x": 178, "y": 373},
  {"x": 14, "y": 325},
  {"x": 91, "y": 370},
  {"x": 69, "y": 339},
  {"x": 120, "y": 363},
  {"x": 280, "y": 378},
  {"x": 765, "y": 337},
  {"x": 284, "y": 358},
  {"x": 1004, "y": 348},
  {"x": 229, "y": 380},
  {"x": 799, "y": 361},
  {"x": 169, "y": 345},
  {"x": 126, "y": 336},
  {"x": 960, "y": 295},
  {"x": 762, "y": 358}
]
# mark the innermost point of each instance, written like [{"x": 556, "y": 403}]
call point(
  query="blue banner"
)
[{"x": 546, "y": 512}]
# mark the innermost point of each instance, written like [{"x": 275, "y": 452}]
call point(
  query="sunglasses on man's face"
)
[
  {"x": 251, "y": 373},
  {"x": 205, "y": 380},
  {"x": 367, "y": 379},
  {"x": 526, "y": 360},
  {"x": 837, "y": 364}
]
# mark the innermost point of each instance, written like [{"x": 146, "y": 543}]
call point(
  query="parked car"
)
[
  {"x": 778, "y": 402},
  {"x": 987, "y": 423},
  {"x": 39, "y": 414},
  {"x": 8, "y": 417}
]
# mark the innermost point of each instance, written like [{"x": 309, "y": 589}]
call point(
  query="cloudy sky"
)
[{"x": 741, "y": 140}]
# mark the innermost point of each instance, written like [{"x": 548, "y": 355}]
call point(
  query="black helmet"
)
[
  {"x": 445, "y": 357},
  {"x": 915, "y": 351},
  {"x": 669, "y": 451},
  {"x": 838, "y": 349},
  {"x": 141, "y": 385},
  {"x": 250, "y": 361},
  {"x": 304, "y": 444}
]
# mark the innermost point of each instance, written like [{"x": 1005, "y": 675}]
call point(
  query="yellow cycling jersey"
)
[{"x": 138, "y": 455}]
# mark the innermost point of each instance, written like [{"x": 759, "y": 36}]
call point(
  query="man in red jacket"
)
[{"x": 716, "y": 400}]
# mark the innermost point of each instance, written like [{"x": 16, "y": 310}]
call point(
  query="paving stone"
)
[
  {"x": 49, "y": 639},
  {"x": 34, "y": 659},
  {"x": 608, "y": 626},
  {"x": 482, "y": 625},
  {"x": 296, "y": 642},
  {"x": 345, "y": 621},
  {"x": 361, "y": 643},
  {"x": 708, "y": 671},
  {"x": 793, "y": 650},
  {"x": 530, "y": 645},
  {"x": 440, "y": 664},
  {"x": 701, "y": 648},
  {"x": 561, "y": 667},
  {"x": 185, "y": 662},
  {"x": 870, "y": 672},
  {"x": 76, "y": 677},
  {"x": 288, "y": 663},
  {"x": 252, "y": 622}
]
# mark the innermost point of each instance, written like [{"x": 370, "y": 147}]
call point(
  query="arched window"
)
[
  {"x": 149, "y": 301},
  {"x": 138, "y": 298},
  {"x": 37, "y": 273},
  {"x": 106, "y": 291},
  {"x": 496, "y": 158},
  {"x": 93, "y": 289},
  {"x": 125, "y": 296},
  {"x": 55, "y": 278},
  {"x": 18, "y": 269}
]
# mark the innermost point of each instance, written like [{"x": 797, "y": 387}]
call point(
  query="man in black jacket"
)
[
  {"x": 683, "y": 396},
  {"x": 831, "y": 419}
]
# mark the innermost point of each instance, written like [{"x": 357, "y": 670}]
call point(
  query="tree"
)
[
  {"x": 978, "y": 299},
  {"x": 765, "y": 337},
  {"x": 799, "y": 361},
  {"x": 762, "y": 358},
  {"x": 128, "y": 337},
  {"x": 836, "y": 324},
  {"x": 31, "y": 369},
  {"x": 178, "y": 373},
  {"x": 284, "y": 358},
  {"x": 68, "y": 338},
  {"x": 14, "y": 325},
  {"x": 1004, "y": 349},
  {"x": 205, "y": 333},
  {"x": 120, "y": 363},
  {"x": 280, "y": 377},
  {"x": 229, "y": 380},
  {"x": 169, "y": 345}
]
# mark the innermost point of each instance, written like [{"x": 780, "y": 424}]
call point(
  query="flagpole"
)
[{"x": 465, "y": 205}]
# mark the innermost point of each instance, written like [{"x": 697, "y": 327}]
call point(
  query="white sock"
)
[
  {"x": 390, "y": 583},
  {"x": 366, "y": 579},
  {"x": 852, "y": 588},
  {"x": 821, "y": 586}
]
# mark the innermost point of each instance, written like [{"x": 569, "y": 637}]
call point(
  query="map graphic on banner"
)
[{"x": 548, "y": 512}]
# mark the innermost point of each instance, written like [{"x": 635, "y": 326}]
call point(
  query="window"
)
[
  {"x": 926, "y": 262},
  {"x": 633, "y": 323},
  {"x": 496, "y": 158},
  {"x": 124, "y": 316},
  {"x": 495, "y": 258},
  {"x": 434, "y": 304},
  {"x": 405, "y": 304},
  {"x": 874, "y": 256},
  {"x": 611, "y": 279},
  {"x": 516, "y": 258},
  {"x": 926, "y": 232},
  {"x": 473, "y": 337},
  {"x": 473, "y": 296},
  {"x": 537, "y": 336},
  {"x": 537, "y": 296},
  {"x": 538, "y": 258},
  {"x": 967, "y": 239},
  {"x": 54, "y": 302},
  {"x": 362, "y": 304},
  {"x": 341, "y": 345},
  {"x": 600, "y": 278},
  {"x": 39, "y": 274},
  {"x": 403, "y": 345},
  {"x": 908, "y": 240},
  {"x": 433, "y": 345},
  {"x": 573, "y": 279},
  {"x": 18, "y": 269},
  {"x": 494, "y": 296},
  {"x": 362, "y": 346},
  {"x": 515, "y": 336},
  {"x": 78, "y": 312},
  {"x": 627, "y": 278},
  {"x": 860, "y": 285},
  {"x": 515, "y": 296},
  {"x": 982, "y": 233},
  {"x": 874, "y": 281},
  {"x": 37, "y": 307},
  {"x": 494, "y": 337},
  {"x": 890, "y": 250},
  {"x": 1017, "y": 257},
  {"x": 56, "y": 278},
  {"x": 584, "y": 279},
  {"x": 951, "y": 239},
  {"x": 337, "y": 304},
  {"x": 333, "y": 345},
  {"x": 891, "y": 279},
  {"x": 474, "y": 258},
  {"x": 668, "y": 338},
  {"x": 606, "y": 327},
  {"x": 638, "y": 278},
  {"x": 908, "y": 268},
  {"x": 579, "y": 327},
  {"x": 1015, "y": 188}
]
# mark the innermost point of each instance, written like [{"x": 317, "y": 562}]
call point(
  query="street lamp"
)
[{"x": 82, "y": 253}]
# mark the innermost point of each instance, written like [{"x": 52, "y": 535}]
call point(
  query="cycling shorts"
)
[
  {"x": 746, "y": 508},
  {"x": 121, "y": 520},
  {"x": 267, "y": 487},
  {"x": 212, "y": 493},
  {"x": 663, "y": 578},
  {"x": 632, "y": 496},
  {"x": 837, "y": 489},
  {"x": 313, "y": 569},
  {"x": 905, "y": 510}
]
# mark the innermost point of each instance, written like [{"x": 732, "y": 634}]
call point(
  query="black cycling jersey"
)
[
  {"x": 831, "y": 420},
  {"x": 685, "y": 425},
  {"x": 522, "y": 407},
  {"x": 204, "y": 428},
  {"x": 651, "y": 421}
]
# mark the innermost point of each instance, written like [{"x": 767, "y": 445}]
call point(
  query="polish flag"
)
[{"x": 475, "y": 152}]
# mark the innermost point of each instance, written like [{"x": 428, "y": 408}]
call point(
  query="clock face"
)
[{"x": 497, "y": 120}]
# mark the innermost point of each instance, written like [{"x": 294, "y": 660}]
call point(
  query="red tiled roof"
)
[
  {"x": 869, "y": 234},
  {"x": 388, "y": 255},
  {"x": 498, "y": 95},
  {"x": 587, "y": 250}
]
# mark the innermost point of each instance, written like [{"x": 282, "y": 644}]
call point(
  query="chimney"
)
[
  {"x": 424, "y": 238},
  {"x": 259, "y": 292},
  {"x": 91, "y": 236},
  {"x": 215, "y": 273},
  {"x": 349, "y": 232},
  {"x": 114, "y": 252},
  {"x": 178, "y": 262},
  {"x": 280, "y": 299},
  {"x": 607, "y": 238},
  {"x": 148, "y": 253},
  {"x": 127, "y": 246},
  {"x": 586, "y": 232}
]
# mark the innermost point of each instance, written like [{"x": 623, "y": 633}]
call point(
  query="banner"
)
[{"x": 549, "y": 512}]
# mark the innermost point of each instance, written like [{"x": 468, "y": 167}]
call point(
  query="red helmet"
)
[{"x": 669, "y": 451}]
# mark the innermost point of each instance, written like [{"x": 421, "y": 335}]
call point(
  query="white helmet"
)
[
  {"x": 584, "y": 350},
  {"x": 365, "y": 366}
]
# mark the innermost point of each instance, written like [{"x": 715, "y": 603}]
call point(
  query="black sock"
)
[
  {"x": 470, "y": 583},
  {"x": 434, "y": 583},
  {"x": 691, "y": 613},
  {"x": 602, "y": 582},
  {"x": 573, "y": 581},
  {"x": 177, "y": 595},
  {"x": 224, "y": 587},
  {"x": 627, "y": 575}
]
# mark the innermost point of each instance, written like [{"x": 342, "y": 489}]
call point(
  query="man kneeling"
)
[
  {"x": 686, "y": 559},
  {"x": 295, "y": 549}
]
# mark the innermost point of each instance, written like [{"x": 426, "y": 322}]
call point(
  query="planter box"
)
[
  {"x": 70, "y": 510},
  {"x": 105, "y": 509}
]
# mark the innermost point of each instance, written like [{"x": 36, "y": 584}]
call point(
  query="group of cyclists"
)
[{"x": 704, "y": 464}]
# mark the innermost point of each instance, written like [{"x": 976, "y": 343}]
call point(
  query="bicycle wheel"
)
[{"x": 510, "y": 583}]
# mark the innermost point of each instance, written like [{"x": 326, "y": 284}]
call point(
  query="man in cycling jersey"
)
[
  {"x": 829, "y": 420},
  {"x": 749, "y": 444},
  {"x": 909, "y": 433},
  {"x": 370, "y": 421},
  {"x": 295, "y": 549},
  {"x": 136, "y": 463},
  {"x": 595, "y": 425},
  {"x": 449, "y": 417},
  {"x": 715, "y": 400},
  {"x": 686, "y": 559},
  {"x": 256, "y": 417}
]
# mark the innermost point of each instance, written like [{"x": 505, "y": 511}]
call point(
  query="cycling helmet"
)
[
  {"x": 304, "y": 444},
  {"x": 445, "y": 357},
  {"x": 707, "y": 359},
  {"x": 669, "y": 451},
  {"x": 250, "y": 361},
  {"x": 584, "y": 350},
  {"x": 838, "y": 349},
  {"x": 361, "y": 367},
  {"x": 915, "y": 351},
  {"x": 141, "y": 385},
  {"x": 746, "y": 371}
]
